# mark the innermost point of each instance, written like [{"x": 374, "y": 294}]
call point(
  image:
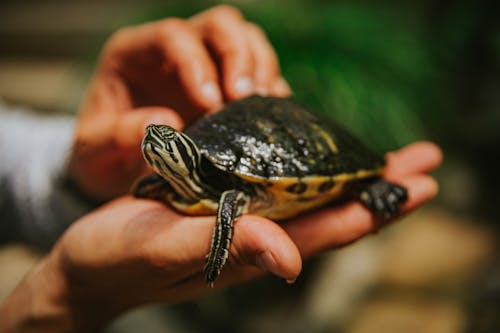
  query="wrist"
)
[
  {"x": 37, "y": 303},
  {"x": 45, "y": 301}
]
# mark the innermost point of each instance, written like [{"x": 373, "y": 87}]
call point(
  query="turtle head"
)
[{"x": 171, "y": 153}]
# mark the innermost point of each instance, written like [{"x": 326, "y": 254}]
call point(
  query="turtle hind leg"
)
[
  {"x": 384, "y": 198},
  {"x": 232, "y": 204}
]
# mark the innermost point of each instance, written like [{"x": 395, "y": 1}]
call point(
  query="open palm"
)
[{"x": 139, "y": 251}]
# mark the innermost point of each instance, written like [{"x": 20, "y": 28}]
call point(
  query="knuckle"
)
[
  {"x": 153, "y": 255},
  {"x": 172, "y": 26},
  {"x": 230, "y": 50},
  {"x": 115, "y": 41},
  {"x": 255, "y": 29},
  {"x": 119, "y": 35},
  {"x": 227, "y": 11}
]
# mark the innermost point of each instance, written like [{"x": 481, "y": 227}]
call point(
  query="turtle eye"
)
[
  {"x": 161, "y": 133},
  {"x": 167, "y": 132}
]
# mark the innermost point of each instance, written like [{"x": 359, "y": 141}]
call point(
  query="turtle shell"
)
[{"x": 268, "y": 138}]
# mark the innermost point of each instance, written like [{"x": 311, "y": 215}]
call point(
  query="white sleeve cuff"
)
[{"x": 35, "y": 151}]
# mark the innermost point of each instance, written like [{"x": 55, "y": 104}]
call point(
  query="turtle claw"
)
[
  {"x": 384, "y": 198},
  {"x": 213, "y": 268}
]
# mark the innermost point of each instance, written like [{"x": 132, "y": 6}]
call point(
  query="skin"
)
[
  {"x": 137, "y": 251},
  {"x": 133, "y": 251},
  {"x": 169, "y": 72}
]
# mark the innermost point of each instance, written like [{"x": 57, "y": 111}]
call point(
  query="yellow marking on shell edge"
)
[
  {"x": 360, "y": 174},
  {"x": 202, "y": 207},
  {"x": 284, "y": 182},
  {"x": 288, "y": 205}
]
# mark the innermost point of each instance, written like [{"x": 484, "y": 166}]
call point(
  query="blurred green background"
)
[{"x": 393, "y": 72}]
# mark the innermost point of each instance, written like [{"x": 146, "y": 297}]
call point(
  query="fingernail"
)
[
  {"x": 243, "y": 86},
  {"x": 266, "y": 262},
  {"x": 291, "y": 281},
  {"x": 211, "y": 92},
  {"x": 281, "y": 87}
]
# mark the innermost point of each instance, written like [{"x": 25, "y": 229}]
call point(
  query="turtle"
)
[{"x": 269, "y": 156}]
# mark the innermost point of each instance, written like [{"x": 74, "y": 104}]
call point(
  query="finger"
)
[
  {"x": 259, "y": 245},
  {"x": 188, "y": 56},
  {"x": 130, "y": 127},
  {"x": 257, "y": 242},
  {"x": 262, "y": 243},
  {"x": 281, "y": 88},
  {"x": 223, "y": 29},
  {"x": 179, "y": 49},
  {"x": 418, "y": 157},
  {"x": 337, "y": 226},
  {"x": 266, "y": 66}
]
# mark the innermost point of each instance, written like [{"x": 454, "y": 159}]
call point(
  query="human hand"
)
[
  {"x": 135, "y": 251},
  {"x": 170, "y": 72}
]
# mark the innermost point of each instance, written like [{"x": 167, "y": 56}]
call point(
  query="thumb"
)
[
  {"x": 263, "y": 243},
  {"x": 130, "y": 126}
]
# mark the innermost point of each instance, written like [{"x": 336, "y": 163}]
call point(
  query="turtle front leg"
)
[
  {"x": 152, "y": 187},
  {"x": 232, "y": 204}
]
